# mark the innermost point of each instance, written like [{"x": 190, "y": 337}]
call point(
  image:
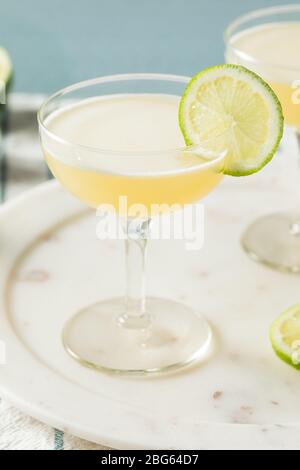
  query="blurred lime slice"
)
[
  {"x": 5, "y": 69},
  {"x": 285, "y": 336}
]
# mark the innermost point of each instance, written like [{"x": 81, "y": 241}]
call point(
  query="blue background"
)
[{"x": 57, "y": 42}]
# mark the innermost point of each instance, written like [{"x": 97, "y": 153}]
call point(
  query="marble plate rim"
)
[{"x": 26, "y": 381}]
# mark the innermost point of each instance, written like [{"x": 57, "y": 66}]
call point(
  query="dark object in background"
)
[
  {"x": 4, "y": 127},
  {"x": 4, "y": 114}
]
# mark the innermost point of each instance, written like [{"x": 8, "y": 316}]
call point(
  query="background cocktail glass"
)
[
  {"x": 135, "y": 334},
  {"x": 267, "y": 41}
]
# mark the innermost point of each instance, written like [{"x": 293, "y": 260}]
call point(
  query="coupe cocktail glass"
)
[
  {"x": 267, "y": 41},
  {"x": 118, "y": 137}
]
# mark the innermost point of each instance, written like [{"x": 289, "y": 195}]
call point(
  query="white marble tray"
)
[{"x": 243, "y": 397}]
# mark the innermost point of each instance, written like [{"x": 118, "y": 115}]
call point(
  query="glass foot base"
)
[
  {"x": 269, "y": 240},
  {"x": 175, "y": 338}
]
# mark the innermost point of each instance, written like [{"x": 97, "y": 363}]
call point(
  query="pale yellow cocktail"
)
[{"x": 128, "y": 124}]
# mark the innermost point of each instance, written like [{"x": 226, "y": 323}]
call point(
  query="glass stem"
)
[
  {"x": 136, "y": 237},
  {"x": 295, "y": 223}
]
